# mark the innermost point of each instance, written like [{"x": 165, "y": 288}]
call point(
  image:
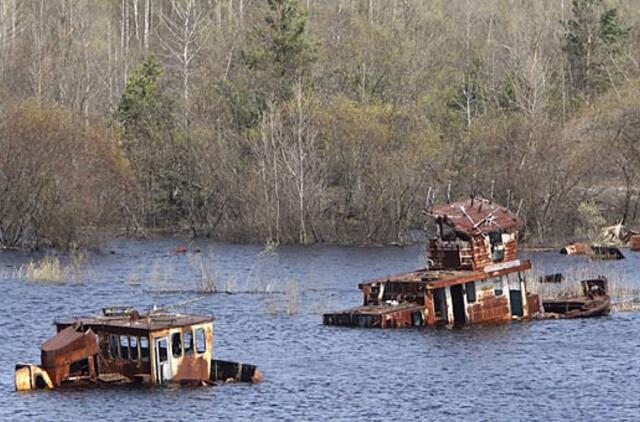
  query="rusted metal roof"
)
[
  {"x": 150, "y": 322},
  {"x": 436, "y": 279},
  {"x": 67, "y": 338},
  {"x": 475, "y": 215},
  {"x": 67, "y": 346}
]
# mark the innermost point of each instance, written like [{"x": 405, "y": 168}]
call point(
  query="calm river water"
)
[{"x": 540, "y": 370}]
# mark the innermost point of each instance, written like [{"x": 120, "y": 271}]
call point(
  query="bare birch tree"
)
[{"x": 184, "y": 32}]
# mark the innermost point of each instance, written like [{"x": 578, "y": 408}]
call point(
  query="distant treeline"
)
[{"x": 313, "y": 121}]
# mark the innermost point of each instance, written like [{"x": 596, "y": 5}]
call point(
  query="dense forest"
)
[{"x": 301, "y": 121}]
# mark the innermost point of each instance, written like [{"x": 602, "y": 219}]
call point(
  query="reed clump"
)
[
  {"x": 623, "y": 297},
  {"x": 292, "y": 291},
  {"x": 47, "y": 269},
  {"x": 290, "y": 304}
]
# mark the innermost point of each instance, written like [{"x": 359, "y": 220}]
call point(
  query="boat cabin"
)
[
  {"x": 123, "y": 346},
  {"x": 473, "y": 276},
  {"x": 471, "y": 234}
]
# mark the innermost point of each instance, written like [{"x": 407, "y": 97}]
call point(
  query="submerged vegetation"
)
[
  {"x": 624, "y": 296},
  {"x": 304, "y": 121},
  {"x": 49, "y": 269}
]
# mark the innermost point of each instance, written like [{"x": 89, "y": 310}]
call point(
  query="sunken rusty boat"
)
[
  {"x": 593, "y": 302},
  {"x": 123, "y": 346},
  {"x": 473, "y": 275}
]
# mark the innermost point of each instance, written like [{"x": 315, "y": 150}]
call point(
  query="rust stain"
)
[{"x": 120, "y": 346}]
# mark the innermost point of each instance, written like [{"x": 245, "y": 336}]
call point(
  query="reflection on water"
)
[{"x": 574, "y": 369}]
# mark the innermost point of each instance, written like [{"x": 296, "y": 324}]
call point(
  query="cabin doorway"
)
[
  {"x": 515, "y": 294},
  {"x": 515, "y": 298},
  {"x": 162, "y": 360},
  {"x": 457, "y": 301},
  {"x": 440, "y": 305}
]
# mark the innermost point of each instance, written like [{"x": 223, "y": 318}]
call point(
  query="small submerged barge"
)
[
  {"x": 473, "y": 275},
  {"x": 594, "y": 302},
  {"x": 123, "y": 346}
]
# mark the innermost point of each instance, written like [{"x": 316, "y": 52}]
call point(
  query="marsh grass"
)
[
  {"x": 134, "y": 278},
  {"x": 207, "y": 276},
  {"x": 49, "y": 269},
  {"x": 162, "y": 276},
  {"x": 270, "y": 247},
  {"x": 292, "y": 291},
  {"x": 288, "y": 305},
  {"x": 281, "y": 296},
  {"x": 623, "y": 297}
]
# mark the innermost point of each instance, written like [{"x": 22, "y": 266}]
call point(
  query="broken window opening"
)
[
  {"x": 201, "y": 345},
  {"x": 40, "y": 382},
  {"x": 470, "y": 289},
  {"x": 124, "y": 347},
  {"x": 133, "y": 346},
  {"x": 79, "y": 367},
  {"x": 498, "y": 285},
  {"x": 176, "y": 345},
  {"x": 188, "y": 342},
  {"x": 113, "y": 346},
  {"x": 144, "y": 349},
  {"x": 497, "y": 246}
]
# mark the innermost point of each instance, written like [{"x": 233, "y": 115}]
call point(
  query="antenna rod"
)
[
  {"x": 449, "y": 192},
  {"x": 178, "y": 305}
]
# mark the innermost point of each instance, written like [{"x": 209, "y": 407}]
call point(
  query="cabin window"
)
[
  {"x": 176, "y": 345},
  {"x": 133, "y": 345},
  {"x": 470, "y": 289},
  {"x": 497, "y": 247},
  {"x": 497, "y": 286},
  {"x": 188, "y": 342},
  {"x": 124, "y": 347},
  {"x": 144, "y": 349},
  {"x": 162, "y": 350},
  {"x": 201, "y": 345},
  {"x": 113, "y": 346}
]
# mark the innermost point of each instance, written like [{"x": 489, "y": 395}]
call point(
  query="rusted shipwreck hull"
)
[
  {"x": 383, "y": 316},
  {"x": 604, "y": 252},
  {"x": 473, "y": 277},
  {"x": 123, "y": 346},
  {"x": 436, "y": 297},
  {"x": 594, "y": 302}
]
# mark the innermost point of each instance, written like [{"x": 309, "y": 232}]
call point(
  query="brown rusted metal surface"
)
[
  {"x": 124, "y": 367},
  {"x": 226, "y": 371},
  {"x": 109, "y": 349},
  {"x": 136, "y": 323},
  {"x": 473, "y": 276},
  {"x": 435, "y": 279},
  {"x": 634, "y": 242},
  {"x": 594, "y": 302},
  {"x": 593, "y": 251},
  {"x": 475, "y": 215},
  {"x": 577, "y": 248},
  {"x": 533, "y": 304},
  {"x": 490, "y": 309},
  {"x": 386, "y": 316},
  {"x": 606, "y": 252},
  {"x": 67, "y": 347}
]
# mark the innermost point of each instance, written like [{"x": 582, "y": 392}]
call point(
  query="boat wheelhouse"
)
[
  {"x": 473, "y": 276},
  {"x": 122, "y": 346}
]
